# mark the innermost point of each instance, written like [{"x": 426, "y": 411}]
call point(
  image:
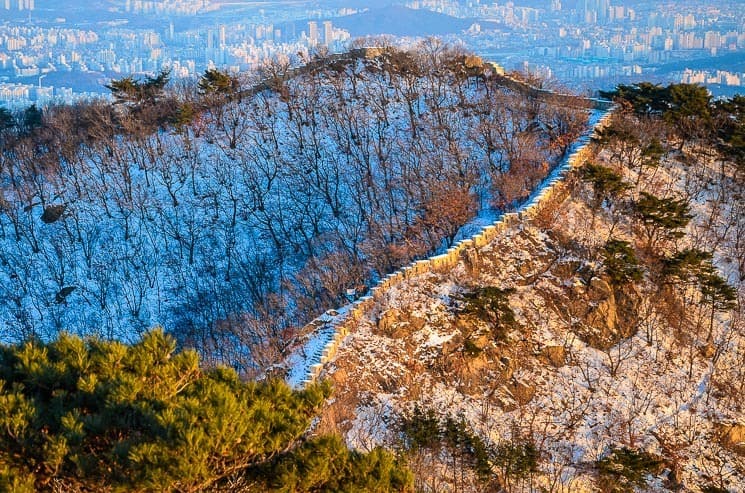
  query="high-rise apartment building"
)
[
  {"x": 313, "y": 33},
  {"x": 328, "y": 33}
]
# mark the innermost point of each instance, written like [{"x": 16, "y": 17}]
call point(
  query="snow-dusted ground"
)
[{"x": 665, "y": 390}]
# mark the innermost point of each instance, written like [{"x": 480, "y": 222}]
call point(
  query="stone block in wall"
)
[
  {"x": 510, "y": 218},
  {"x": 490, "y": 232},
  {"x": 480, "y": 241}
]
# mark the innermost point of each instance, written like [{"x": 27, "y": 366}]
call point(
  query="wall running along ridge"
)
[{"x": 551, "y": 192}]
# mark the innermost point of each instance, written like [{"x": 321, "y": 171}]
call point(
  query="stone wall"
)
[{"x": 552, "y": 190}]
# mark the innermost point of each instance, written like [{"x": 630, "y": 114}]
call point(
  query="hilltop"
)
[{"x": 233, "y": 212}]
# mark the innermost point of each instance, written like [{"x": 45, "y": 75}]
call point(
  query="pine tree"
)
[
  {"x": 620, "y": 262},
  {"x": 214, "y": 81},
  {"x": 661, "y": 219},
  {"x": 492, "y": 305},
  {"x": 96, "y": 415},
  {"x": 607, "y": 185},
  {"x": 623, "y": 469}
]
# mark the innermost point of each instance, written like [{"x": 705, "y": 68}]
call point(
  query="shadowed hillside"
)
[{"x": 232, "y": 216}]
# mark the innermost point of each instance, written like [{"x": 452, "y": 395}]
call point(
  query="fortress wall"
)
[{"x": 552, "y": 191}]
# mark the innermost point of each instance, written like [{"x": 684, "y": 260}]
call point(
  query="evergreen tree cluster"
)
[
  {"x": 89, "y": 415},
  {"x": 623, "y": 470},
  {"x": 690, "y": 112},
  {"x": 498, "y": 467}
]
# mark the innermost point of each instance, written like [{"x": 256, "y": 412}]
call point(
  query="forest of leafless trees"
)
[{"x": 232, "y": 216}]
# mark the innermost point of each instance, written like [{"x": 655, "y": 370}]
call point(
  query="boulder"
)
[
  {"x": 732, "y": 437},
  {"x": 554, "y": 355},
  {"x": 473, "y": 61},
  {"x": 63, "y": 293},
  {"x": 521, "y": 391},
  {"x": 708, "y": 350},
  {"x": 388, "y": 319},
  {"x": 52, "y": 213},
  {"x": 506, "y": 403}
]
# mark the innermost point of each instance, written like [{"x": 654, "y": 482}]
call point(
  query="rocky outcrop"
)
[
  {"x": 554, "y": 355},
  {"x": 732, "y": 437},
  {"x": 606, "y": 313}
]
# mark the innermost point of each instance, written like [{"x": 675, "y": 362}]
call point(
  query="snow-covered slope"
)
[{"x": 237, "y": 227}]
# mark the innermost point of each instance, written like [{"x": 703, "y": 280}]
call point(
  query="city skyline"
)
[{"x": 585, "y": 44}]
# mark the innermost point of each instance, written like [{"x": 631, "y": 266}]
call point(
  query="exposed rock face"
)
[
  {"x": 628, "y": 300},
  {"x": 602, "y": 316},
  {"x": 474, "y": 373},
  {"x": 522, "y": 392},
  {"x": 472, "y": 327},
  {"x": 398, "y": 324},
  {"x": 608, "y": 313},
  {"x": 388, "y": 320},
  {"x": 732, "y": 437},
  {"x": 555, "y": 355},
  {"x": 566, "y": 269}
]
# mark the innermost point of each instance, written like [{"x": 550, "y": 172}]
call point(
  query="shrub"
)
[
  {"x": 623, "y": 469},
  {"x": 620, "y": 262},
  {"x": 492, "y": 305}
]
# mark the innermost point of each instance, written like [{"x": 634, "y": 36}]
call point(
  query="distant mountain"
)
[{"x": 401, "y": 21}]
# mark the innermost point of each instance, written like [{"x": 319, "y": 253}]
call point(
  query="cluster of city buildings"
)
[
  {"x": 29, "y": 53},
  {"x": 19, "y": 5},
  {"x": 167, "y": 7},
  {"x": 592, "y": 43},
  {"x": 597, "y": 43},
  {"x": 713, "y": 77}
]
